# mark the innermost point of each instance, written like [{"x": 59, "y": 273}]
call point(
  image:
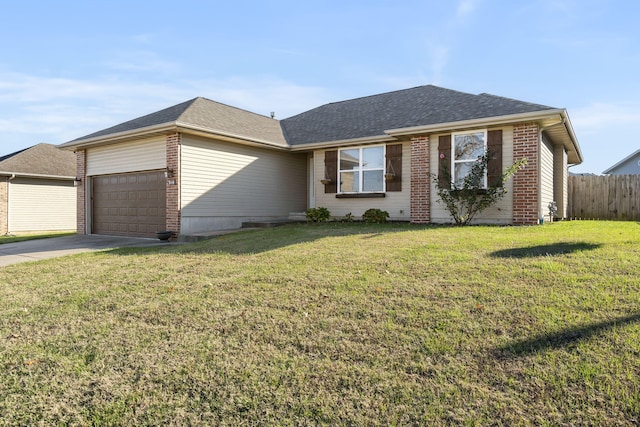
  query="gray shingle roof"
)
[
  {"x": 208, "y": 115},
  {"x": 41, "y": 159},
  {"x": 419, "y": 106}
]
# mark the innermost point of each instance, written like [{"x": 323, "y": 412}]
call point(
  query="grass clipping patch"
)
[{"x": 332, "y": 324}]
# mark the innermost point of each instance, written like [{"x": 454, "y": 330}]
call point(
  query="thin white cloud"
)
[
  {"x": 56, "y": 110},
  {"x": 465, "y": 8},
  {"x": 141, "y": 61},
  {"x": 602, "y": 116}
]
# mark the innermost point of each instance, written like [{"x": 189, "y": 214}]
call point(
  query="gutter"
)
[
  {"x": 13, "y": 175},
  {"x": 572, "y": 135},
  {"x": 487, "y": 121}
]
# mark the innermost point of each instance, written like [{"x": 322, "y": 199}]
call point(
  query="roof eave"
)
[
  {"x": 36, "y": 175},
  {"x": 119, "y": 136},
  {"x": 163, "y": 128},
  {"x": 484, "y": 121},
  {"x": 621, "y": 162},
  {"x": 557, "y": 115},
  {"x": 575, "y": 147},
  {"x": 378, "y": 139}
]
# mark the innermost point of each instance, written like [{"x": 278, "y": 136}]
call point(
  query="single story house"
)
[
  {"x": 630, "y": 165},
  {"x": 202, "y": 165},
  {"x": 37, "y": 191}
]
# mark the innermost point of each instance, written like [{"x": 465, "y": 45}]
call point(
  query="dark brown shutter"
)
[
  {"x": 444, "y": 161},
  {"x": 331, "y": 171},
  {"x": 394, "y": 165},
  {"x": 494, "y": 151}
]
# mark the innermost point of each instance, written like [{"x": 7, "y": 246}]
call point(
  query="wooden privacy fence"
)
[{"x": 604, "y": 197}]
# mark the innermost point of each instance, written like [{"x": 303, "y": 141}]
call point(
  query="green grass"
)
[
  {"x": 33, "y": 236},
  {"x": 333, "y": 324}
]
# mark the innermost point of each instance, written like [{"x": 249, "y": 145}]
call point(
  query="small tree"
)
[{"x": 466, "y": 199}]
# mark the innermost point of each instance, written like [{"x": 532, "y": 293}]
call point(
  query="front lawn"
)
[{"x": 333, "y": 324}]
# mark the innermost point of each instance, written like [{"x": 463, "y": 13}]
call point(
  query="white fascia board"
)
[
  {"x": 119, "y": 136},
  {"x": 486, "y": 121},
  {"x": 574, "y": 140},
  {"x": 37, "y": 175},
  {"x": 344, "y": 143}
]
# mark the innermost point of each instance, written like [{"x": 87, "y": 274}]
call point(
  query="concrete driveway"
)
[{"x": 34, "y": 250}]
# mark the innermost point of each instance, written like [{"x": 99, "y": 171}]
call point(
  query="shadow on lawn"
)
[
  {"x": 546, "y": 250},
  {"x": 266, "y": 239},
  {"x": 562, "y": 338}
]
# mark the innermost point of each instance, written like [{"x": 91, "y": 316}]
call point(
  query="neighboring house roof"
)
[
  {"x": 622, "y": 162},
  {"x": 376, "y": 114},
  {"x": 41, "y": 160},
  {"x": 200, "y": 114},
  {"x": 376, "y": 118}
]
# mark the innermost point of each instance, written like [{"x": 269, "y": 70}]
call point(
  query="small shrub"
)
[
  {"x": 375, "y": 216},
  {"x": 319, "y": 214},
  {"x": 347, "y": 218}
]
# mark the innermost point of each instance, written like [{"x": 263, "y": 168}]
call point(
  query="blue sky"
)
[{"x": 69, "y": 68}]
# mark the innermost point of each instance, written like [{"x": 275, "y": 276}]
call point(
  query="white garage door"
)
[{"x": 41, "y": 205}]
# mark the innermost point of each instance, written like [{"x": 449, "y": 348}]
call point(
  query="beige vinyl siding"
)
[
  {"x": 501, "y": 212},
  {"x": 142, "y": 155},
  {"x": 546, "y": 178},
  {"x": 397, "y": 203},
  {"x": 561, "y": 180},
  {"x": 41, "y": 205},
  {"x": 223, "y": 184}
]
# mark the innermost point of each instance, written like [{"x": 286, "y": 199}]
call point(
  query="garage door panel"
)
[{"x": 130, "y": 204}]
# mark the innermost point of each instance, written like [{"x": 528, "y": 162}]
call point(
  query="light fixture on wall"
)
[
  {"x": 169, "y": 173},
  {"x": 77, "y": 181}
]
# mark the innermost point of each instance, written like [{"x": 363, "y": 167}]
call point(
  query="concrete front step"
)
[{"x": 269, "y": 223}]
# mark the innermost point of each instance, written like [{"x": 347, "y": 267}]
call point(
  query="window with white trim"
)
[
  {"x": 467, "y": 149},
  {"x": 361, "y": 170}
]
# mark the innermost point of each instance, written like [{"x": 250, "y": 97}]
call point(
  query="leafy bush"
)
[
  {"x": 467, "y": 199},
  {"x": 318, "y": 214},
  {"x": 375, "y": 216}
]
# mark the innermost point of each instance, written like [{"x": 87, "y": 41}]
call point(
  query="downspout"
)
[{"x": 9, "y": 179}]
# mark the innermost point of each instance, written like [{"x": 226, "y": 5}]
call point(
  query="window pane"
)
[
  {"x": 349, "y": 159},
  {"x": 461, "y": 171},
  {"x": 349, "y": 182},
  {"x": 372, "y": 181},
  {"x": 373, "y": 158},
  {"x": 469, "y": 146}
]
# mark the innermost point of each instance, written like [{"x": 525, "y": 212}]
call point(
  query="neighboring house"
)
[
  {"x": 630, "y": 165},
  {"x": 201, "y": 165},
  {"x": 37, "y": 190}
]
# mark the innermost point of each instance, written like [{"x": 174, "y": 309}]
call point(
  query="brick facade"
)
[
  {"x": 526, "y": 182},
  {"x": 4, "y": 205},
  {"x": 81, "y": 162},
  {"x": 173, "y": 183},
  {"x": 420, "y": 180}
]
